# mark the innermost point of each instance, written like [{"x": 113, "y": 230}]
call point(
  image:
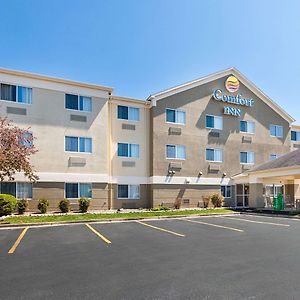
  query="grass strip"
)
[{"x": 108, "y": 216}]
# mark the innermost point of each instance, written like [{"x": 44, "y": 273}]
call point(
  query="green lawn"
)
[{"x": 108, "y": 216}]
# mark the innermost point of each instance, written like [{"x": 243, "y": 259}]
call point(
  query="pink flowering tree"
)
[{"x": 16, "y": 147}]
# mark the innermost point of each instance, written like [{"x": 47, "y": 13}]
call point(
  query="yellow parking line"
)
[
  {"x": 99, "y": 234},
  {"x": 258, "y": 222},
  {"x": 17, "y": 242},
  {"x": 161, "y": 229},
  {"x": 214, "y": 225}
]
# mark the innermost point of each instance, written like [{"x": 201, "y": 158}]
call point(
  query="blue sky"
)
[{"x": 141, "y": 47}]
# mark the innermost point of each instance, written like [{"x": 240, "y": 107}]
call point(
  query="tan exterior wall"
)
[
  {"x": 55, "y": 191},
  {"x": 49, "y": 122},
  {"x": 190, "y": 195},
  {"x": 256, "y": 198},
  {"x": 198, "y": 102},
  {"x": 140, "y": 135},
  {"x": 143, "y": 202}
]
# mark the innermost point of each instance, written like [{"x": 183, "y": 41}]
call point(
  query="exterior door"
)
[{"x": 242, "y": 195}]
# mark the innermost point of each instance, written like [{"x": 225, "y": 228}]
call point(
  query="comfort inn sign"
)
[{"x": 232, "y": 85}]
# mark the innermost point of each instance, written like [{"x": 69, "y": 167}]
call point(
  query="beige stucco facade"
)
[{"x": 190, "y": 181}]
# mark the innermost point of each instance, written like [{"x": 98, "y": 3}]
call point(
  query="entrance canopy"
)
[{"x": 281, "y": 175}]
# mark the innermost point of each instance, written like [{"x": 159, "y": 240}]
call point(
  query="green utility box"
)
[{"x": 278, "y": 202}]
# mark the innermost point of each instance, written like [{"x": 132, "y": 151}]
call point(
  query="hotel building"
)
[{"x": 179, "y": 145}]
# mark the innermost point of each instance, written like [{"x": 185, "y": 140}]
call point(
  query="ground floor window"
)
[
  {"x": 21, "y": 190},
  {"x": 127, "y": 191},
  {"x": 226, "y": 191},
  {"x": 270, "y": 191},
  {"x": 242, "y": 195},
  {"x": 77, "y": 190}
]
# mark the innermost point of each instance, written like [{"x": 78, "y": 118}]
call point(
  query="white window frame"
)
[
  {"x": 78, "y": 137},
  {"x": 17, "y": 93},
  {"x": 176, "y": 110},
  {"x": 78, "y": 190},
  {"x": 78, "y": 102},
  {"x": 128, "y": 120},
  {"x": 226, "y": 188},
  {"x": 128, "y": 145},
  {"x": 274, "y": 154},
  {"x": 214, "y": 149},
  {"x": 128, "y": 192},
  {"x": 277, "y": 136},
  {"x": 297, "y": 141},
  {"x": 247, "y": 163},
  {"x": 247, "y": 132},
  {"x": 17, "y": 184},
  {"x": 220, "y": 117},
  {"x": 176, "y": 145}
]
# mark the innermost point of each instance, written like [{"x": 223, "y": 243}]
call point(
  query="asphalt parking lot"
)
[{"x": 229, "y": 257}]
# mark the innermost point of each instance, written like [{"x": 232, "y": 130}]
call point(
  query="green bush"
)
[
  {"x": 84, "y": 204},
  {"x": 21, "y": 206},
  {"x": 7, "y": 204},
  {"x": 217, "y": 200},
  {"x": 43, "y": 205},
  {"x": 160, "y": 208},
  {"x": 64, "y": 205}
]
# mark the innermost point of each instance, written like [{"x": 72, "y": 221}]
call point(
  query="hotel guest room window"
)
[
  {"x": 276, "y": 131},
  {"x": 214, "y": 122},
  {"x": 175, "y": 116},
  {"x": 128, "y": 113}
]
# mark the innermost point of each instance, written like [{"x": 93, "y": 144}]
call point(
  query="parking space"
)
[{"x": 213, "y": 257}]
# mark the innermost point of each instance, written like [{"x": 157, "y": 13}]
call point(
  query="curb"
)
[
  {"x": 271, "y": 215},
  {"x": 11, "y": 226}
]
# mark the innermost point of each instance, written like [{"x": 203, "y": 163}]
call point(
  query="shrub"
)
[
  {"x": 177, "y": 204},
  {"x": 43, "y": 205},
  {"x": 64, "y": 205},
  {"x": 21, "y": 206},
  {"x": 160, "y": 208},
  {"x": 84, "y": 204},
  {"x": 217, "y": 200},
  {"x": 206, "y": 201},
  {"x": 7, "y": 204}
]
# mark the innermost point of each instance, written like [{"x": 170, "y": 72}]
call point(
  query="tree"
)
[{"x": 16, "y": 147}]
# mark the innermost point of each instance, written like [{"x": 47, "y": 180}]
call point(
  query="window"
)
[
  {"x": 247, "y": 126},
  {"x": 78, "y": 144},
  {"x": 8, "y": 92},
  {"x": 273, "y": 156},
  {"x": 128, "y": 113},
  {"x": 226, "y": 191},
  {"x": 77, "y": 190},
  {"x": 85, "y": 103},
  {"x": 128, "y": 150},
  {"x": 15, "y": 93},
  {"x": 24, "y": 190},
  {"x": 214, "y": 155},
  {"x": 175, "y": 116},
  {"x": 295, "y": 136},
  {"x": 27, "y": 139},
  {"x": 247, "y": 157},
  {"x": 81, "y": 103},
  {"x": 276, "y": 130},
  {"x": 214, "y": 122},
  {"x": 24, "y": 95},
  {"x": 128, "y": 191},
  {"x": 175, "y": 151},
  {"x": 21, "y": 190}
]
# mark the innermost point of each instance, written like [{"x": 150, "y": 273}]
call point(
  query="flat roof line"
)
[{"x": 55, "y": 79}]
